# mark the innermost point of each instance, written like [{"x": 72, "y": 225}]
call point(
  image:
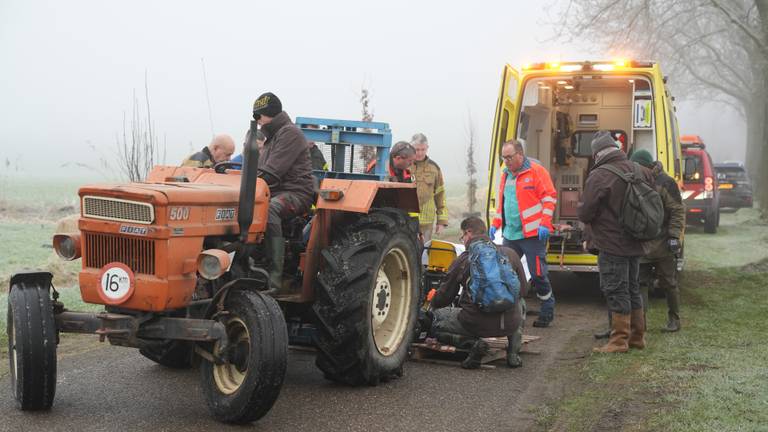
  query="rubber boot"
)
[
  {"x": 637, "y": 329},
  {"x": 618, "y": 342},
  {"x": 276, "y": 251},
  {"x": 607, "y": 333},
  {"x": 515, "y": 344},
  {"x": 479, "y": 350},
  {"x": 673, "y": 303}
]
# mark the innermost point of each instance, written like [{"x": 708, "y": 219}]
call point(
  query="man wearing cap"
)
[
  {"x": 526, "y": 203},
  {"x": 619, "y": 253},
  {"x": 430, "y": 188},
  {"x": 661, "y": 253},
  {"x": 219, "y": 150},
  {"x": 285, "y": 166}
]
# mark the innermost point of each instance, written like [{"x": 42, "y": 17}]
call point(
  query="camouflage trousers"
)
[{"x": 283, "y": 206}]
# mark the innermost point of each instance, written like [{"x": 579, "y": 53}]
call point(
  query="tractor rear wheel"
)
[
  {"x": 244, "y": 387},
  {"x": 32, "y": 340},
  {"x": 367, "y": 299}
]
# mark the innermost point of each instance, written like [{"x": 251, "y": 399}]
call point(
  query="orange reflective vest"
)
[{"x": 536, "y": 199}]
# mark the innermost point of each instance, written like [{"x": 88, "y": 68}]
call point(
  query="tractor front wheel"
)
[
  {"x": 32, "y": 340},
  {"x": 243, "y": 387},
  {"x": 367, "y": 299}
]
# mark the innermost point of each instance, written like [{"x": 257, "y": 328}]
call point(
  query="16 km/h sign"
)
[{"x": 116, "y": 283}]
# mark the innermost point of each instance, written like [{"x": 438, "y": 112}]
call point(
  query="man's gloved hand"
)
[
  {"x": 674, "y": 245},
  {"x": 543, "y": 233},
  {"x": 492, "y": 232}
]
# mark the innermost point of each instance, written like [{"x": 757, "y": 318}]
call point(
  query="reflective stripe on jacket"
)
[{"x": 536, "y": 198}]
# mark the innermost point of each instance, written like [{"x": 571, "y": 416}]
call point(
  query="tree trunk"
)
[{"x": 755, "y": 140}]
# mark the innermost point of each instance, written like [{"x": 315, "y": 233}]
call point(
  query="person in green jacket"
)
[{"x": 660, "y": 260}]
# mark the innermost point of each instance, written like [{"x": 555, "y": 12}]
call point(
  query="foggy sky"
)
[{"x": 69, "y": 70}]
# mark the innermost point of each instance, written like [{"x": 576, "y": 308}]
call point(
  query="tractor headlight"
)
[
  {"x": 213, "y": 263},
  {"x": 67, "y": 246}
]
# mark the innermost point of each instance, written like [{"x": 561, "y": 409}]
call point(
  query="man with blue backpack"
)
[{"x": 490, "y": 303}]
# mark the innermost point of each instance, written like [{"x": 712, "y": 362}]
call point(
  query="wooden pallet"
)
[{"x": 431, "y": 351}]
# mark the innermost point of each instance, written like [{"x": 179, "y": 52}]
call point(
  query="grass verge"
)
[{"x": 712, "y": 375}]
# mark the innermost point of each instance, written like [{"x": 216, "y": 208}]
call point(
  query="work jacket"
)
[
  {"x": 536, "y": 198},
  {"x": 284, "y": 160},
  {"x": 601, "y": 204},
  {"x": 201, "y": 159},
  {"x": 430, "y": 188},
  {"x": 674, "y": 215},
  {"x": 479, "y": 323},
  {"x": 318, "y": 160}
]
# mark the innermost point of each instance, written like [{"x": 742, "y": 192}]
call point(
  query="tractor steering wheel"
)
[{"x": 221, "y": 167}]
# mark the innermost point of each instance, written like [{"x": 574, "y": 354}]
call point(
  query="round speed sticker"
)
[{"x": 116, "y": 283}]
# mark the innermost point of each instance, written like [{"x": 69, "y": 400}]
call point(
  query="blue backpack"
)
[{"x": 493, "y": 285}]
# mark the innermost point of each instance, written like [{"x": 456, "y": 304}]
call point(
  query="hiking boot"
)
[
  {"x": 606, "y": 333},
  {"x": 637, "y": 329},
  {"x": 618, "y": 341},
  {"x": 543, "y": 320},
  {"x": 546, "y": 312},
  {"x": 479, "y": 350},
  {"x": 673, "y": 325}
]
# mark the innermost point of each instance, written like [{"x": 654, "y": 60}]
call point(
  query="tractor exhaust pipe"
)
[{"x": 248, "y": 183}]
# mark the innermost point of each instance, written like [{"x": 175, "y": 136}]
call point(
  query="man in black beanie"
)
[
  {"x": 285, "y": 165},
  {"x": 619, "y": 253}
]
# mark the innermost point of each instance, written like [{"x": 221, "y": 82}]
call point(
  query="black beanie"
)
[{"x": 268, "y": 105}]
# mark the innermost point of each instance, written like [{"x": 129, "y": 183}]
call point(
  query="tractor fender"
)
[
  {"x": 32, "y": 279},
  {"x": 360, "y": 196}
]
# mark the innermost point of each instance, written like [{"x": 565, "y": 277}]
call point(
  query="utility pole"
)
[{"x": 207, "y": 97}]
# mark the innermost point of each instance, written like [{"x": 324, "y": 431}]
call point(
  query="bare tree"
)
[
  {"x": 139, "y": 150},
  {"x": 470, "y": 166},
  {"x": 367, "y": 153},
  {"x": 715, "y": 50}
]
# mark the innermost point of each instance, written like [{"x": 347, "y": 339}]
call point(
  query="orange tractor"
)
[{"x": 179, "y": 263}]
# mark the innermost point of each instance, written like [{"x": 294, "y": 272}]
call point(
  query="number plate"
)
[{"x": 116, "y": 283}]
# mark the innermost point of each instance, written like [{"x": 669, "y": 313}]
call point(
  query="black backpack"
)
[{"x": 642, "y": 211}]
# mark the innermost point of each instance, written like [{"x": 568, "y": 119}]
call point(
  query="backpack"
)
[
  {"x": 493, "y": 285},
  {"x": 642, "y": 211}
]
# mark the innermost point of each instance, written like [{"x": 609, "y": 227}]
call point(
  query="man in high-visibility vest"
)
[{"x": 527, "y": 201}]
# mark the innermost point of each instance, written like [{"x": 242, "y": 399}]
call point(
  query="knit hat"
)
[
  {"x": 267, "y": 105},
  {"x": 643, "y": 157},
  {"x": 603, "y": 140}
]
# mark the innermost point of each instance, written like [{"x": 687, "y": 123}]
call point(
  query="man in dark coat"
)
[
  {"x": 661, "y": 253},
  {"x": 285, "y": 166},
  {"x": 467, "y": 324},
  {"x": 219, "y": 150},
  {"x": 619, "y": 253}
]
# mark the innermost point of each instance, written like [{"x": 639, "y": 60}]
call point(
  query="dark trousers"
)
[
  {"x": 666, "y": 270},
  {"x": 619, "y": 281},
  {"x": 535, "y": 254}
]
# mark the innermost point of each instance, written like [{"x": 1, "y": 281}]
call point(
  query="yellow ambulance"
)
[{"x": 555, "y": 109}]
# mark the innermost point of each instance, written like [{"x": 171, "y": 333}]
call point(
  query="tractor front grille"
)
[
  {"x": 118, "y": 210},
  {"x": 137, "y": 253}
]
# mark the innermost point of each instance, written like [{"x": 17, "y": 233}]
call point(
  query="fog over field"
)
[{"x": 70, "y": 69}]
